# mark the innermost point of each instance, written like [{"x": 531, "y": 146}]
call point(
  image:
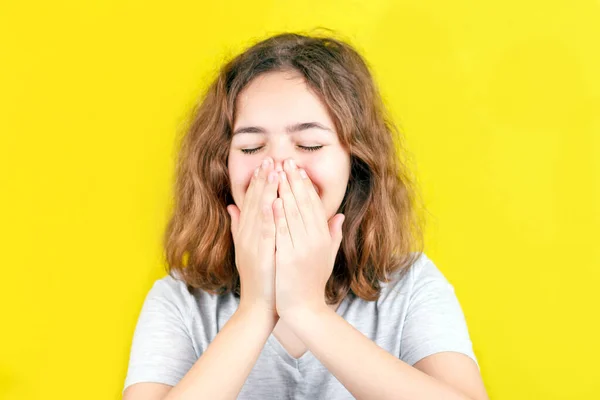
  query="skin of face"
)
[{"x": 265, "y": 110}]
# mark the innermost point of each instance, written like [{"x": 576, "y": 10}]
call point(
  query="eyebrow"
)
[{"x": 289, "y": 129}]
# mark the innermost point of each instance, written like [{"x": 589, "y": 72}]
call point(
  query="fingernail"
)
[
  {"x": 272, "y": 176},
  {"x": 303, "y": 174},
  {"x": 283, "y": 175},
  {"x": 292, "y": 164},
  {"x": 256, "y": 171},
  {"x": 278, "y": 168},
  {"x": 265, "y": 164}
]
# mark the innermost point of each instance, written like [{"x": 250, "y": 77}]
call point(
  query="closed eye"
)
[{"x": 305, "y": 148}]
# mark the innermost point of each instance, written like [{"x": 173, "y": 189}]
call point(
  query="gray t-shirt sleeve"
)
[
  {"x": 434, "y": 320},
  {"x": 161, "y": 350}
]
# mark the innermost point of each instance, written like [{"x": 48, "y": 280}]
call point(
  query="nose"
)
[
  {"x": 278, "y": 153},
  {"x": 278, "y": 164}
]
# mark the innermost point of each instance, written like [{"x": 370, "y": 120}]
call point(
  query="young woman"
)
[{"x": 294, "y": 253}]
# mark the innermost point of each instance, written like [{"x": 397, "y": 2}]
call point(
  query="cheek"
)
[
  {"x": 319, "y": 179},
  {"x": 240, "y": 174},
  {"x": 327, "y": 176}
]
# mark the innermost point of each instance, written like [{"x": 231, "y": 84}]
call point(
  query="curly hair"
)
[{"x": 383, "y": 229}]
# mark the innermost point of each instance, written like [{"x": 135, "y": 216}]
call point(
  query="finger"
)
[
  {"x": 293, "y": 218},
  {"x": 250, "y": 207},
  {"x": 267, "y": 228},
  {"x": 248, "y": 195},
  {"x": 283, "y": 241},
  {"x": 315, "y": 201},
  {"x": 301, "y": 195},
  {"x": 234, "y": 213},
  {"x": 335, "y": 230}
]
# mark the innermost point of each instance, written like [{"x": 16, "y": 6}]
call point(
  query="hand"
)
[
  {"x": 253, "y": 231},
  {"x": 306, "y": 244}
]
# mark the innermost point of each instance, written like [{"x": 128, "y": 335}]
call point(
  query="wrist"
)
[
  {"x": 258, "y": 313},
  {"x": 301, "y": 311}
]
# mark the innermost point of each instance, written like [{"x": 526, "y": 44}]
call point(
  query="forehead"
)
[{"x": 279, "y": 97}]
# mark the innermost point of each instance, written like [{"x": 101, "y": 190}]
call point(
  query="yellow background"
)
[{"x": 499, "y": 102}]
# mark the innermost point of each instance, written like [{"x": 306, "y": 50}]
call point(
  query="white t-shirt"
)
[{"x": 415, "y": 316}]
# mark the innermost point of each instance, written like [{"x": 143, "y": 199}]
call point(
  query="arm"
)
[
  {"x": 223, "y": 368},
  {"x": 163, "y": 352},
  {"x": 369, "y": 372}
]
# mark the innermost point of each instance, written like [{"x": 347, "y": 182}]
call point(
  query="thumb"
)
[
  {"x": 335, "y": 230},
  {"x": 234, "y": 213}
]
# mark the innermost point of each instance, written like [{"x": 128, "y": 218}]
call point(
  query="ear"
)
[{"x": 335, "y": 230}]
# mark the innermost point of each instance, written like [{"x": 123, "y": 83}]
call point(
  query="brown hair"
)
[{"x": 383, "y": 232}]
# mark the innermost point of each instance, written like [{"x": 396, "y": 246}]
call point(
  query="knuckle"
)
[
  {"x": 282, "y": 229},
  {"x": 266, "y": 210},
  {"x": 266, "y": 232},
  {"x": 262, "y": 176},
  {"x": 294, "y": 213},
  {"x": 303, "y": 201}
]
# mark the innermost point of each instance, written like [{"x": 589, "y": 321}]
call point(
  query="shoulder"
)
[
  {"x": 163, "y": 347},
  {"x": 421, "y": 272},
  {"x": 171, "y": 287},
  {"x": 432, "y": 317},
  {"x": 419, "y": 289},
  {"x": 190, "y": 302},
  {"x": 170, "y": 293}
]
